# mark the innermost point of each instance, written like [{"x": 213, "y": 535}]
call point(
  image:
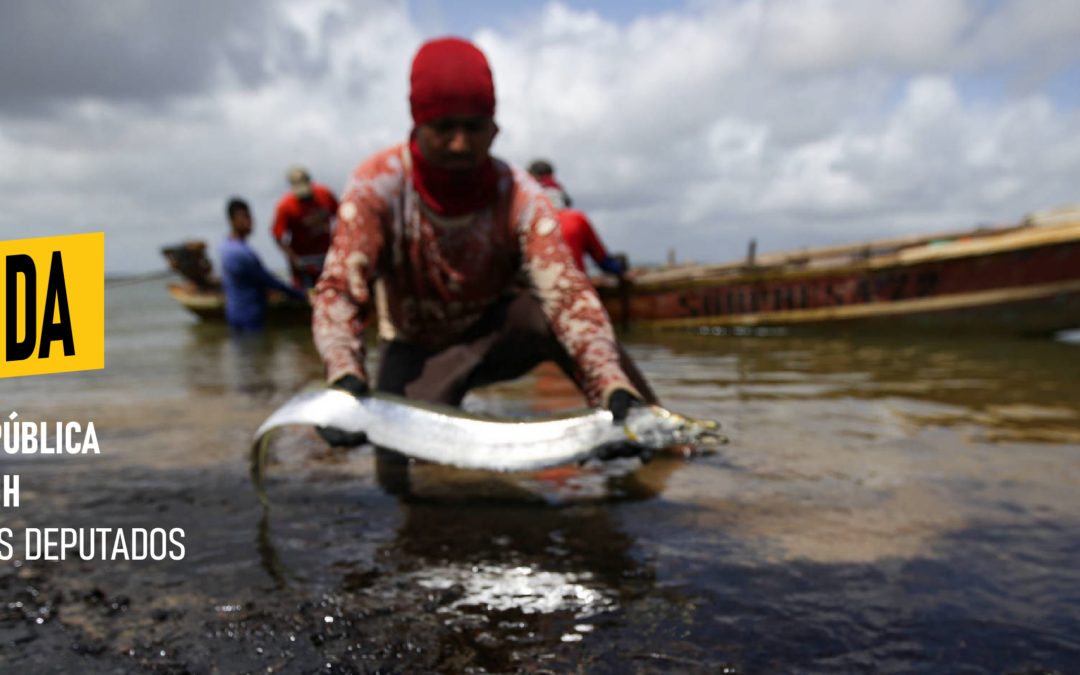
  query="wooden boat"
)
[
  {"x": 1020, "y": 279},
  {"x": 209, "y": 304},
  {"x": 200, "y": 292}
]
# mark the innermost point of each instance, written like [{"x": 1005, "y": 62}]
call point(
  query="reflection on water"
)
[
  {"x": 1028, "y": 387},
  {"x": 531, "y": 591},
  {"x": 255, "y": 364},
  {"x": 522, "y": 572},
  {"x": 887, "y": 503}
]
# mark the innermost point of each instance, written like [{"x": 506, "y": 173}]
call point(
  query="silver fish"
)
[{"x": 449, "y": 435}]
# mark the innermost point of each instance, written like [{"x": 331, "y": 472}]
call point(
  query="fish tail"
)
[{"x": 259, "y": 450}]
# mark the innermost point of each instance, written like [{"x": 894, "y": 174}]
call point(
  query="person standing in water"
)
[
  {"x": 576, "y": 229},
  {"x": 303, "y": 224},
  {"x": 480, "y": 286},
  {"x": 245, "y": 279}
]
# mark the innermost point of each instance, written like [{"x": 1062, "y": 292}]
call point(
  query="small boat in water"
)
[
  {"x": 201, "y": 293},
  {"x": 209, "y": 304},
  {"x": 1020, "y": 279}
]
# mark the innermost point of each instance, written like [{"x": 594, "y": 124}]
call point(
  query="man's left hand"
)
[
  {"x": 620, "y": 402},
  {"x": 613, "y": 265}
]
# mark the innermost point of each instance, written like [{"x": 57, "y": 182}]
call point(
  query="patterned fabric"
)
[{"x": 440, "y": 274}]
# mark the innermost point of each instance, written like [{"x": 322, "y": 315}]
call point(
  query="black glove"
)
[
  {"x": 352, "y": 384},
  {"x": 336, "y": 437},
  {"x": 620, "y": 402}
]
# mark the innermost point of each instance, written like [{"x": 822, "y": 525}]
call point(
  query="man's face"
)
[
  {"x": 457, "y": 142},
  {"x": 241, "y": 222}
]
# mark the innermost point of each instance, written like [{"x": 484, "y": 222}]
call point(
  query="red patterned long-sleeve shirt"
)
[{"x": 441, "y": 274}]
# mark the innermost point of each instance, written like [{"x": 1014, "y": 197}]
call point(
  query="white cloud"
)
[
  {"x": 812, "y": 35},
  {"x": 792, "y": 121}
]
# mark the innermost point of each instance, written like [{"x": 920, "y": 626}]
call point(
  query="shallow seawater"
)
[{"x": 886, "y": 504}]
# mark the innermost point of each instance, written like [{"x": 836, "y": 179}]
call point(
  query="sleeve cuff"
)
[
  {"x": 335, "y": 374},
  {"x": 605, "y": 396}
]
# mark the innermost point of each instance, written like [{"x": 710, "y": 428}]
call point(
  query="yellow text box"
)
[{"x": 68, "y": 279}]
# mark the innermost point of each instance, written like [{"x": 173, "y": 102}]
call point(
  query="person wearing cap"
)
[
  {"x": 478, "y": 283},
  {"x": 576, "y": 229},
  {"x": 245, "y": 279},
  {"x": 544, "y": 173},
  {"x": 302, "y": 226}
]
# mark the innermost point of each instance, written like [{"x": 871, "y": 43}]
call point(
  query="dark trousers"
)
[{"x": 509, "y": 340}]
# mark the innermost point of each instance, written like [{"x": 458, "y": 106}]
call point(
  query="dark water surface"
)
[{"x": 887, "y": 504}]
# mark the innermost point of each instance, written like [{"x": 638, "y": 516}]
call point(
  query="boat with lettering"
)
[{"x": 1021, "y": 279}]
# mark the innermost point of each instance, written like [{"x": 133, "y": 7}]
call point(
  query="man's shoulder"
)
[
  {"x": 514, "y": 179},
  {"x": 380, "y": 171},
  {"x": 512, "y": 173},
  {"x": 528, "y": 202},
  {"x": 321, "y": 191},
  {"x": 387, "y": 160},
  {"x": 323, "y": 195},
  {"x": 235, "y": 249},
  {"x": 288, "y": 203}
]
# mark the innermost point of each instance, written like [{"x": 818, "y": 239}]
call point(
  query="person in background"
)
[
  {"x": 544, "y": 173},
  {"x": 479, "y": 285},
  {"x": 576, "y": 229},
  {"x": 303, "y": 226},
  {"x": 246, "y": 281}
]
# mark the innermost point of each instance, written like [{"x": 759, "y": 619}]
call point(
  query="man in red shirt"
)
[
  {"x": 302, "y": 226},
  {"x": 576, "y": 229},
  {"x": 479, "y": 285}
]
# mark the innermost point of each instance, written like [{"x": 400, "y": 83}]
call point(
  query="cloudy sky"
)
[{"x": 695, "y": 125}]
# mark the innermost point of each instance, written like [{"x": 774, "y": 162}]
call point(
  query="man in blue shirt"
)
[{"x": 246, "y": 281}]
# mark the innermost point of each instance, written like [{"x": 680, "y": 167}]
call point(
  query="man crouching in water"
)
[{"x": 479, "y": 284}]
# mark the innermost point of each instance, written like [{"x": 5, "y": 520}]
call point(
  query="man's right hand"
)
[
  {"x": 620, "y": 402},
  {"x": 347, "y": 439}
]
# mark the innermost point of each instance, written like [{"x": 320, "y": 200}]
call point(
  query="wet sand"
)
[{"x": 887, "y": 504}]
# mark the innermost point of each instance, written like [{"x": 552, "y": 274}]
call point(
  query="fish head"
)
[{"x": 659, "y": 428}]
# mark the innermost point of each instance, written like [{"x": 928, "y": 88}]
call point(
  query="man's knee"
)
[{"x": 525, "y": 315}]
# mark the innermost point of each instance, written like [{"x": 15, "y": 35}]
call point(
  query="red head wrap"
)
[{"x": 450, "y": 76}]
